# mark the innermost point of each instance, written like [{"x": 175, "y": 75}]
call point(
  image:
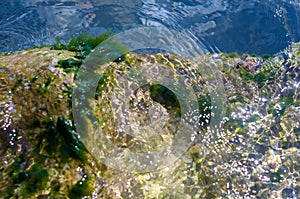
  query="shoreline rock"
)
[{"x": 42, "y": 155}]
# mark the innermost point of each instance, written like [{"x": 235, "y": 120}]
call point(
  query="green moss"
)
[
  {"x": 61, "y": 141},
  {"x": 104, "y": 82},
  {"x": 262, "y": 78},
  {"x": 120, "y": 59},
  {"x": 71, "y": 146},
  {"x": 266, "y": 74},
  {"x": 236, "y": 55},
  {"x": 232, "y": 55},
  {"x": 246, "y": 76},
  {"x": 44, "y": 88},
  {"x": 70, "y": 65},
  {"x": 251, "y": 55},
  {"x": 36, "y": 180},
  {"x": 69, "y": 92},
  {"x": 29, "y": 181},
  {"x": 266, "y": 56},
  {"x": 129, "y": 60},
  {"x": 82, "y": 188},
  {"x": 18, "y": 84},
  {"x": 82, "y": 44},
  {"x": 284, "y": 103},
  {"x": 16, "y": 169},
  {"x": 58, "y": 45},
  {"x": 55, "y": 188},
  {"x": 33, "y": 79}
]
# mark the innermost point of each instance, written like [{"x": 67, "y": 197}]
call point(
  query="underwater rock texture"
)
[{"x": 254, "y": 151}]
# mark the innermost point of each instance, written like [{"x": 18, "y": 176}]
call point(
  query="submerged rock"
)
[
  {"x": 248, "y": 147},
  {"x": 250, "y": 64}
]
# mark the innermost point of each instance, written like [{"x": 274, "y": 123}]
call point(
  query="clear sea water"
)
[
  {"x": 262, "y": 155},
  {"x": 248, "y": 26}
]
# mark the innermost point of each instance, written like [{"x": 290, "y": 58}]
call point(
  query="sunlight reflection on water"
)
[{"x": 251, "y": 26}]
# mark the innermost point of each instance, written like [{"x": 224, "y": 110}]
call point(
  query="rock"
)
[
  {"x": 250, "y": 64},
  {"x": 228, "y": 153}
]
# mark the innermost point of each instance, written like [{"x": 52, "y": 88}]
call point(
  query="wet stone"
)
[{"x": 256, "y": 154}]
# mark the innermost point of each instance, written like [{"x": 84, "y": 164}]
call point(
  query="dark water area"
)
[{"x": 251, "y": 26}]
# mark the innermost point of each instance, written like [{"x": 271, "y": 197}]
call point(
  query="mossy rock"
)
[
  {"x": 43, "y": 156},
  {"x": 38, "y": 143}
]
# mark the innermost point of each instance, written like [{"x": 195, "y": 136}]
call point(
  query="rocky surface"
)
[{"x": 252, "y": 153}]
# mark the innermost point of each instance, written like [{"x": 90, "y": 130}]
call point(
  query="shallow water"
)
[
  {"x": 252, "y": 26},
  {"x": 246, "y": 147}
]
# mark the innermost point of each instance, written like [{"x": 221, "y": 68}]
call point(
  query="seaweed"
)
[
  {"x": 28, "y": 180},
  {"x": 61, "y": 140},
  {"x": 104, "y": 81},
  {"x": 69, "y": 92},
  {"x": 18, "y": 84},
  {"x": 82, "y": 44},
  {"x": 36, "y": 180},
  {"x": 237, "y": 55},
  {"x": 57, "y": 141},
  {"x": 262, "y": 78},
  {"x": 283, "y": 104},
  {"x": 70, "y": 65},
  {"x": 44, "y": 88},
  {"x": 58, "y": 45},
  {"x": 232, "y": 55},
  {"x": 266, "y": 56}
]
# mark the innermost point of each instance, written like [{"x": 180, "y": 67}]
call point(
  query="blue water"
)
[{"x": 249, "y": 26}]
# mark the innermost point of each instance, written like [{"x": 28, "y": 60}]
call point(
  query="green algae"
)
[
  {"x": 68, "y": 91},
  {"x": 36, "y": 181},
  {"x": 70, "y": 65},
  {"x": 275, "y": 177},
  {"x": 58, "y": 142},
  {"x": 82, "y": 44},
  {"x": 28, "y": 181},
  {"x": 46, "y": 145},
  {"x": 232, "y": 55},
  {"x": 106, "y": 81},
  {"x": 61, "y": 139},
  {"x": 44, "y": 88}
]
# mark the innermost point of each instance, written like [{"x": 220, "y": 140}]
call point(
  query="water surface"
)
[{"x": 252, "y": 26}]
